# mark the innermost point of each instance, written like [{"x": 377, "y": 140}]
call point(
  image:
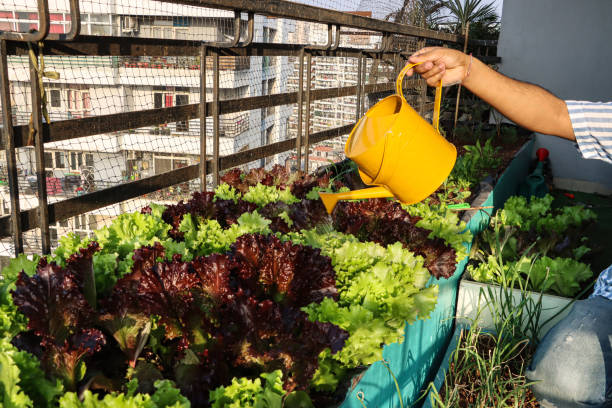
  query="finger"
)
[
  {"x": 424, "y": 54},
  {"x": 423, "y": 68},
  {"x": 435, "y": 79},
  {"x": 434, "y": 71}
]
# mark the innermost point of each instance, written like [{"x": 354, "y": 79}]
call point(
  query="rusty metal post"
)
[
  {"x": 423, "y": 90},
  {"x": 9, "y": 144},
  {"x": 465, "y": 44},
  {"x": 215, "y": 113},
  {"x": 307, "y": 129},
  {"x": 300, "y": 103},
  {"x": 39, "y": 155},
  {"x": 202, "y": 112}
]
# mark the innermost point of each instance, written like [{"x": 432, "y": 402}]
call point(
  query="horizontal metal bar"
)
[
  {"x": 70, "y": 129},
  {"x": 65, "y": 209},
  {"x": 236, "y": 159},
  {"x": 304, "y": 12},
  {"x": 90, "y": 45}
]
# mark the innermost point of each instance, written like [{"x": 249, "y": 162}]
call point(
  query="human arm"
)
[{"x": 527, "y": 105}]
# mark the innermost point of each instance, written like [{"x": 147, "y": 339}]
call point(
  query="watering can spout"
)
[{"x": 331, "y": 199}]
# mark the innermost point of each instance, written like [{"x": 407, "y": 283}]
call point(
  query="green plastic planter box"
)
[{"x": 425, "y": 340}]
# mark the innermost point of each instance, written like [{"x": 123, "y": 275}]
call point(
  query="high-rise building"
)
[
  {"x": 327, "y": 72},
  {"x": 91, "y": 86}
]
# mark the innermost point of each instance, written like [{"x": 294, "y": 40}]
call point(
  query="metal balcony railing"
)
[{"x": 206, "y": 57}]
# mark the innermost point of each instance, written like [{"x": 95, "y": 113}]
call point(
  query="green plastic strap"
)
[{"x": 458, "y": 206}]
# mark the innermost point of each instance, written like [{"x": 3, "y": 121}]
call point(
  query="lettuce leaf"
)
[
  {"x": 247, "y": 393},
  {"x": 443, "y": 223},
  {"x": 165, "y": 396},
  {"x": 262, "y": 195}
]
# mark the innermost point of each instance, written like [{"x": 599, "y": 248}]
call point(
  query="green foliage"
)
[
  {"x": 157, "y": 210},
  {"x": 262, "y": 195},
  {"x": 490, "y": 365},
  {"x": 560, "y": 276},
  {"x": 68, "y": 245},
  {"x": 12, "y": 395},
  {"x": 537, "y": 214},
  {"x": 165, "y": 396},
  {"x": 247, "y": 393},
  {"x": 476, "y": 162},
  {"x": 226, "y": 192},
  {"x": 531, "y": 244},
  {"x": 452, "y": 192},
  {"x": 22, "y": 382},
  {"x": 11, "y": 320},
  {"x": 130, "y": 231},
  {"x": 443, "y": 223},
  {"x": 535, "y": 228},
  {"x": 209, "y": 237},
  {"x": 380, "y": 290},
  {"x": 117, "y": 242},
  {"x": 471, "y": 11}
]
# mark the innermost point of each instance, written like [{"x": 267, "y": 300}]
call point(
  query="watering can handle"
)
[{"x": 437, "y": 101}]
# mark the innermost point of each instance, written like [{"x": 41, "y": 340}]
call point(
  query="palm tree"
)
[
  {"x": 472, "y": 11},
  {"x": 420, "y": 13}
]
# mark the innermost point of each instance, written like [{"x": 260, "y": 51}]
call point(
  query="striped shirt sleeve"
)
[{"x": 592, "y": 123}]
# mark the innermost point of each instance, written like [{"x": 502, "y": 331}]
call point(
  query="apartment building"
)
[
  {"x": 327, "y": 72},
  {"x": 91, "y": 86}
]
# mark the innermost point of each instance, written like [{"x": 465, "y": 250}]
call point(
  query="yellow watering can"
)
[{"x": 397, "y": 151}]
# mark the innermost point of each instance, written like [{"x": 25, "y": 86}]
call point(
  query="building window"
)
[
  {"x": 180, "y": 21},
  {"x": 56, "y": 101},
  {"x": 96, "y": 24},
  {"x": 168, "y": 162},
  {"x": 79, "y": 102},
  {"x": 5, "y": 207},
  {"x": 182, "y": 126},
  {"x": 169, "y": 99},
  {"x": 59, "y": 160}
]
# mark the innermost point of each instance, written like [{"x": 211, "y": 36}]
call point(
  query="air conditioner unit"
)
[{"x": 130, "y": 24}]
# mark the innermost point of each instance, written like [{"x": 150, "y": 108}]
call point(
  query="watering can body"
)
[{"x": 397, "y": 151}]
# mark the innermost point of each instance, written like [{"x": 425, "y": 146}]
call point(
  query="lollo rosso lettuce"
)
[
  {"x": 217, "y": 313},
  {"x": 59, "y": 313}
]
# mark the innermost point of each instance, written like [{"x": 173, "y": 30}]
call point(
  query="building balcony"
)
[{"x": 225, "y": 63}]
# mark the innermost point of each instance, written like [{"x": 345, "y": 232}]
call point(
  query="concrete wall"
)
[{"x": 563, "y": 46}]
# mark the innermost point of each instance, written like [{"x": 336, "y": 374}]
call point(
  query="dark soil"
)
[{"x": 470, "y": 382}]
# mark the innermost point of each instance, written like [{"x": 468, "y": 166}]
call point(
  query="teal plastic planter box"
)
[
  {"x": 425, "y": 340},
  {"x": 441, "y": 374}
]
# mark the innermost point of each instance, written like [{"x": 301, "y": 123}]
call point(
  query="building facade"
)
[{"x": 92, "y": 86}]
